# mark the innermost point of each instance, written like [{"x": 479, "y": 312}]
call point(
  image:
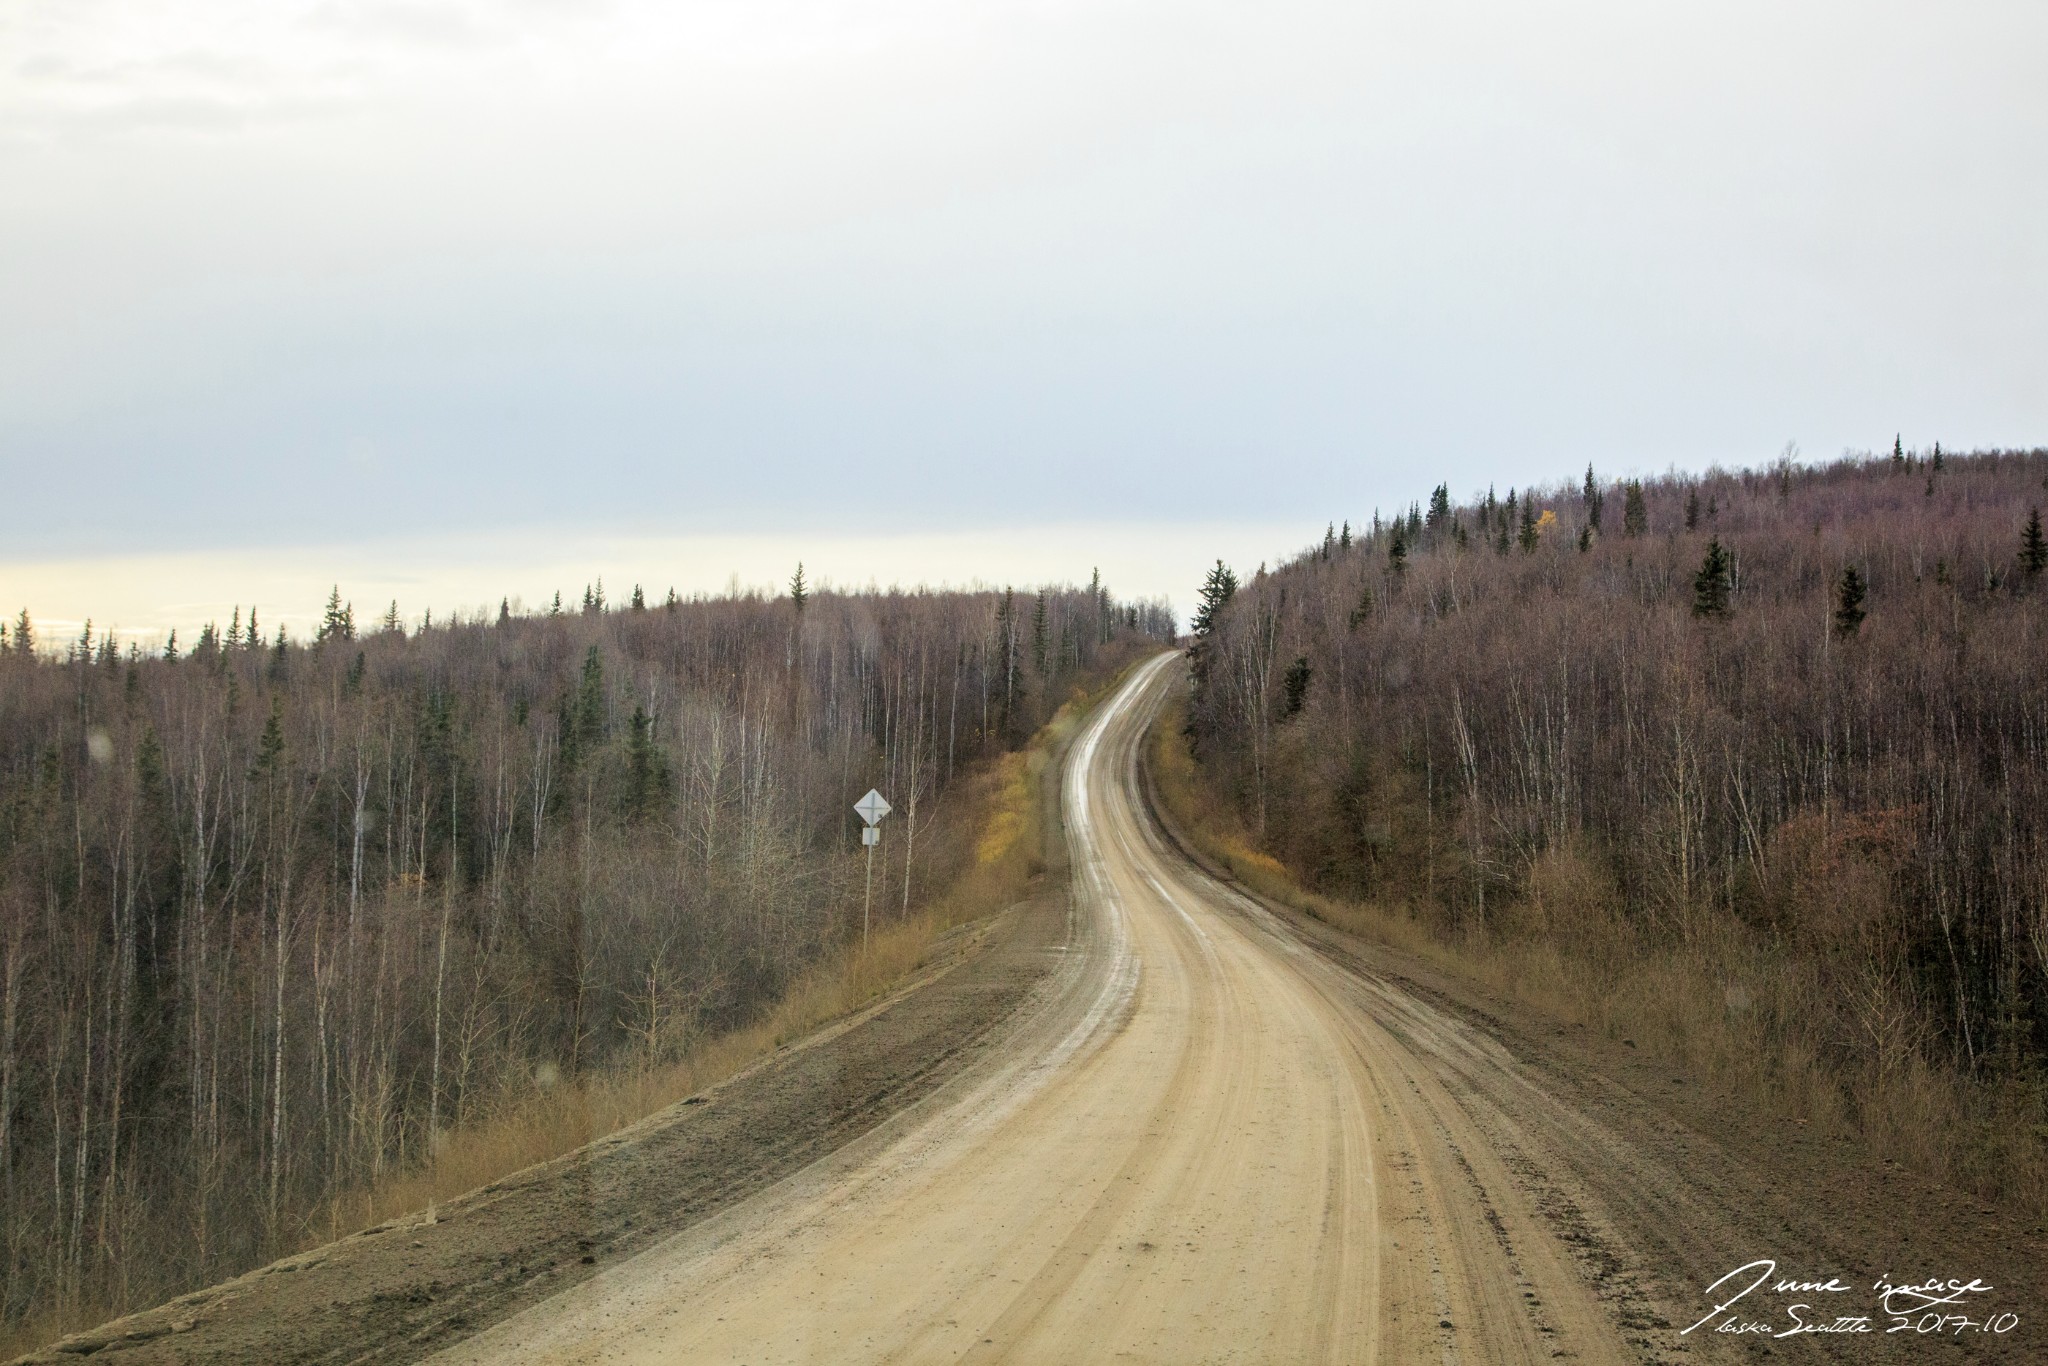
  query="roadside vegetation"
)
[
  {"x": 298, "y": 937},
  {"x": 1750, "y": 769}
]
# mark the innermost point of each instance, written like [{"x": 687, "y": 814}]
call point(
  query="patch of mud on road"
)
[{"x": 399, "y": 1292}]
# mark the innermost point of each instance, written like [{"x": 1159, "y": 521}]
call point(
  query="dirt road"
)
[
  {"x": 1206, "y": 1142},
  {"x": 1157, "y": 1121}
]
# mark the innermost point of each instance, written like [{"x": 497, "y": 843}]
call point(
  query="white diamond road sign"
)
[{"x": 872, "y": 807}]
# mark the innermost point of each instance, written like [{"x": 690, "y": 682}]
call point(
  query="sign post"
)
[{"x": 871, "y": 808}]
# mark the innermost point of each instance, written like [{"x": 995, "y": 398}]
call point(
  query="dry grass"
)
[{"x": 1716, "y": 999}]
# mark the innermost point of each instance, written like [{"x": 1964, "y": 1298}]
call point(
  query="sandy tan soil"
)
[{"x": 1184, "y": 1127}]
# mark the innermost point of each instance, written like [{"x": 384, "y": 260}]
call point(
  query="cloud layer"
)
[{"x": 272, "y": 272}]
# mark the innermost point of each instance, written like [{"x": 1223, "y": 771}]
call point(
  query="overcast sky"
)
[{"x": 365, "y": 275}]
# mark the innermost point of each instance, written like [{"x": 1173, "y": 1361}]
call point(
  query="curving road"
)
[{"x": 1204, "y": 1141}]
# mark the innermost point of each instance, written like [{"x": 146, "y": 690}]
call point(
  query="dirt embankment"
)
[{"x": 399, "y": 1292}]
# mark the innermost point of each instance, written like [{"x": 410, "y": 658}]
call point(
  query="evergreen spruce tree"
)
[
  {"x": 24, "y": 634},
  {"x": 1439, "y": 506},
  {"x": 1294, "y": 686},
  {"x": 1040, "y": 640},
  {"x": 799, "y": 591},
  {"x": 2033, "y": 550},
  {"x": 643, "y": 766},
  {"x": 1898, "y": 452},
  {"x": 1329, "y": 540},
  {"x": 1344, "y": 537},
  {"x": 597, "y": 599},
  {"x": 270, "y": 748},
  {"x": 1585, "y": 538},
  {"x": 1364, "y": 610},
  {"x": 235, "y": 628},
  {"x": 590, "y": 698},
  {"x": 1217, "y": 589},
  {"x": 171, "y": 646},
  {"x": 1594, "y": 499},
  {"x": 354, "y": 683},
  {"x": 639, "y": 602},
  {"x": 1937, "y": 457},
  {"x": 1635, "y": 512},
  {"x": 1500, "y": 537},
  {"x": 250, "y": 634},
  {"x": 1692, "y": 510},
  {"x": 1849, "y": 592},
  {"x": 1457, "y": 532},
  {"x": 669, "y": 603},
  {"x": 1527, "y": 535},
  {"x": 339, "y": 620},
  {"x": 1712, "y": 586},
  {"x": 554, "y": 609},
  {"x": 1397, "y": 550},
  {"x": 279, "y": 658},
  {"x": 504, "y": 611}
]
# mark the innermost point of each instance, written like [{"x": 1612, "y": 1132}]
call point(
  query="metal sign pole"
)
[{"x": 871, "y": 809}]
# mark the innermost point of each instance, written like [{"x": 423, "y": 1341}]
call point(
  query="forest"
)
[
  {"x": 278, "y": 918},
  {"x": 1751, "y": 766}
]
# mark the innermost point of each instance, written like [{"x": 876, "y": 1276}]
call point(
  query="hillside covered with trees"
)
[
  {"x": 276, "y": 917},
  {"x": 1751, "y": 765}
]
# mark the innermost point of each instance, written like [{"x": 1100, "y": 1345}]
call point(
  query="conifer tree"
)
[
  {"x": 1457, "y": 532},
  {"x": 1527, "y": 535},
  {"x": 24, "y": 634},
  {"x": 643, "y": 765},
  {"x": 1344, "y": 536},
  {"x": 1500, "y": 536},
  {"x": 669, "y": 603},
  {"x": 235, "y": 627},
  {"x": 1397, "y": 550},
  {"x": 1329, "y": 540},
  {"x": 1585, "y": 538},
  {"x": 2033, "y": 549},
  {"x": 799, "y": 591},
  {"x": 270, "y": 748},
  {"x": 356, "y": 670},
  {"x": 1594, "y": 499},
  {"x": 250, "y": 635},
  {"x": 1937, "y": 457},
  {"x": 590, "y": 698},
  {"x": 171, "y": 646},
  {"x": 1692, "y": 510},
  {"x": 1439, "y": 506},
  {"x": 639, "y": 602},
  {"x": 1217, "y": 589},
  {"x": 1635, "y": 512},
  {"x": 1898, "y": 452},
  {"x": 339, "y": 621},
  {"x": 1294, "y": 686},
  {"x": 1712, "y": 586},
  {"x": 597, "y": 598},
  {"x": 1364, "y": 610},
  {"x": 554, "y": 609},
  {"x": 279, "y": 657},
  {"x": 504, "y": 611},
  {"x": 1849, "y": 592},
  {"x": 1039, "y": 637}
]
